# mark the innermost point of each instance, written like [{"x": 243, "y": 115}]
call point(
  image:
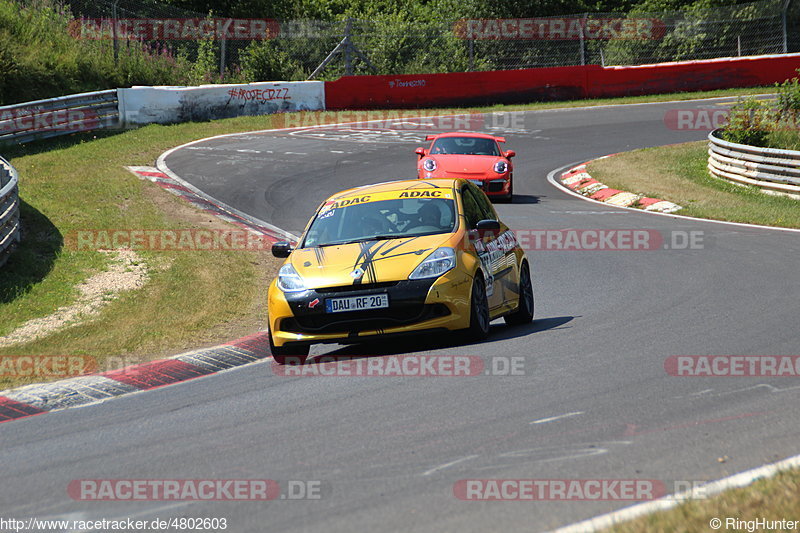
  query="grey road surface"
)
[{"x": 593, "y": 402}]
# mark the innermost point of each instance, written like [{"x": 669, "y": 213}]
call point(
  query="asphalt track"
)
[{"x": 388, "y": 451}]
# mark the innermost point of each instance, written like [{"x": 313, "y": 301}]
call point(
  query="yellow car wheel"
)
[
  {"x": 479, "y": 310},
  {"x": 524, "y": 312}
]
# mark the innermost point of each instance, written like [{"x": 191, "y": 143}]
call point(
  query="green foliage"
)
[
  {"x": 206, "y": 62},
  {"x": 789, "y": 99},
  {"x": 750, "y": 122},
  {"x": 700, "y": 29},
  {"x": 40, "y": 57},
  {"x": 264, "y": 61}
]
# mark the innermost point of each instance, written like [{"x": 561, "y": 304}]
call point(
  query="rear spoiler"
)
[{"x": 498, "y": 139}]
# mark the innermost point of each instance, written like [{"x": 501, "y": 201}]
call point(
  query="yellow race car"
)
[{"x": 396, "y": 258}]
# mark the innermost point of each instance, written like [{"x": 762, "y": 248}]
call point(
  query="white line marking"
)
[
  {"x": 551, "y": 177},
  {"x": 556, "y": 109},
  {"x": 553, "y": 418},
  {"x": 668, "y": 502},
  {"x": 447, "y": 465},
  {"x": 162, "y": 166}
]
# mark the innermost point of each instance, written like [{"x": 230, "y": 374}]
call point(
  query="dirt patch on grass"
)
[{"x": 126, "y": 272}]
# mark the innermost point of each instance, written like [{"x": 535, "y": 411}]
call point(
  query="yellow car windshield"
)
[{"x": 353, "y": 220}]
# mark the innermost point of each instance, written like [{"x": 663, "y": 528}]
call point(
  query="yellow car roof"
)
[{"x": 402, "y": 185}]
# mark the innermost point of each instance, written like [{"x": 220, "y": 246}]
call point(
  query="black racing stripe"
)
[
  {"x": 319, "y": 253},
  {"x": 413, "y": 252},
  {"x": 367, "y": 254},
  {"x": 395, "y": 247}
]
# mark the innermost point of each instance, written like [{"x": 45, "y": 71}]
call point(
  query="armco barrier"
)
[
  {"x": 557, "y": 83},
  {"x": 137, "y": 106},
  {"x": 166, "y": 105},
  {"x": 41, "y": 119},
  {"x": 776, "y": 171},
  {"x": 9, "y": 210}
]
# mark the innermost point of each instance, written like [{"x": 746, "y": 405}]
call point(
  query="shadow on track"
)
[
  {"x": 527, "y": 199},
  {"x": 439, "y": 341}
]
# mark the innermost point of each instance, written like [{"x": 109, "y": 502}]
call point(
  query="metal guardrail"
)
[
  {"x": 774, "y": 171},
  {"x": 28, "y": 121},
  {"x": 9, "y": 210}
]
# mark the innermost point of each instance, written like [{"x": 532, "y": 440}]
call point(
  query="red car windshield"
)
[{"x": 464, "y": 146}]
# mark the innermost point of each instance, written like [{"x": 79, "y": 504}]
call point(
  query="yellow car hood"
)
[{"x": 389, "y": 260}]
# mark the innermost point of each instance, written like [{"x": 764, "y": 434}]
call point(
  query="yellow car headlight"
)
[
  {"x": 289, "y": 280},
  {"x": 437, "y": 263}
]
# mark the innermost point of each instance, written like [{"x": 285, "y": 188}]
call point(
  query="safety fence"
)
[
  {"x": 457, "y": 41},
  {"x": 9, "y": 210},
  {"x": 772, "y": 170}
]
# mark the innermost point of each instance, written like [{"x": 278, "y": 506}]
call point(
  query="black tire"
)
[
  {"x": 293, "y": 354},
  {"x": 524, "y": 312},
  {"x": 479, "y": 310}
]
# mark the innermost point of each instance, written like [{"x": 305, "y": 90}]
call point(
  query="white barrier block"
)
[{"x": 166, "y": 105}]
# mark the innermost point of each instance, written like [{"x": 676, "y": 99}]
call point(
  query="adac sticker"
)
[{"x": 388, "y": 195}]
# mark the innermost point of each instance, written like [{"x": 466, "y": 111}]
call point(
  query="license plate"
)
[{"x": 356, "y": 303}]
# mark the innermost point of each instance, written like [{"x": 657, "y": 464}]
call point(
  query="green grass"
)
[
  {"x": 678, "y": 173},
  {"x": 79, "y": 183},
  {"x": 775, "y": 498},
  {"x": 787, "y": 138}
]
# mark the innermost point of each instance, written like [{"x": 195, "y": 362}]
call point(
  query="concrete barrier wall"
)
[
  {"x": 456, "y": 89},
  {"x": 167, "y": 105},
  {"x": 705, "y": 75}
]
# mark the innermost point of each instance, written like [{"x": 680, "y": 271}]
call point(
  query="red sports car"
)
[{"x": 476, "y": 157}]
